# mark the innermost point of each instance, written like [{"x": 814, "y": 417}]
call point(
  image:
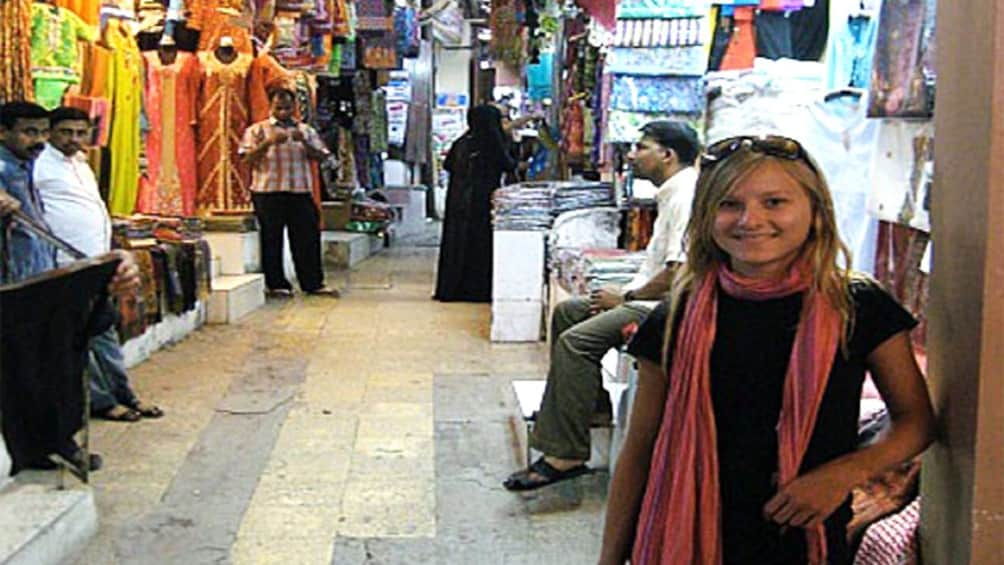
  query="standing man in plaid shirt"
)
[{"x": 279, "y": 151}]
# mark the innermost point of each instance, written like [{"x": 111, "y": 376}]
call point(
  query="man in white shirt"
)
[
  {"x": 584, "y": 330},
  {"x": 73, "y": 207}
]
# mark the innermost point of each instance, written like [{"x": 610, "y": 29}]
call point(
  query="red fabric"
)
[
  {"x": 604, "y": 12},
  {"x": 679, "y": 522},
  {"x": 742, "y": 44}
]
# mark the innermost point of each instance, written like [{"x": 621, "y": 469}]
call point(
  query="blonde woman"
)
[{"x": 741, "y": 444}]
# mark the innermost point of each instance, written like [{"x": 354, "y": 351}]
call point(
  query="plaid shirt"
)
[{"x": 284, "y": 167}]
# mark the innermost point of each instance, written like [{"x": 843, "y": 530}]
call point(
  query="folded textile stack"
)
[
  {"x": 570, "y": 196},
  {"x": 525, "y": 206},
  {"x": 610, "y": 267}
]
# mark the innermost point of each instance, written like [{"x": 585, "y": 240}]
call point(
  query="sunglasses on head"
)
[{"x": 773, "y": 145}]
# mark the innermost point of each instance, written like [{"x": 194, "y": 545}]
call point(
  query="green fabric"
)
[
  {"x": 54, "y": 35},
  {"x": 49, "y": 91}
]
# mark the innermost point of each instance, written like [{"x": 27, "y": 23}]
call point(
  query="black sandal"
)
[
  {"x": 120, "y": 413},
  {"x": 147, "y": 410},
  {"x": 524, "y": 480}
]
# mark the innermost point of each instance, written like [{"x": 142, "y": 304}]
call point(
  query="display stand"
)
[{"x": 517, "y": 286}]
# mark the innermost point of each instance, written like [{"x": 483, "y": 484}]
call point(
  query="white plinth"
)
[
  {"x": 516, "y": 320},
  {"x": 518, "y": 265},
  {"x": 234, "y": 297},
  {"x": 172, "y": 329},
  {"x": 342, "y": 249},
  {"x": 236, "y": 253}
]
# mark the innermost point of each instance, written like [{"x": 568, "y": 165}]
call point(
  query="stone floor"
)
[{"x": 371, "y": 429}]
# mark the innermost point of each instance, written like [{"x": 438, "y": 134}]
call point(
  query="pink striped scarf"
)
[{"x": 680, "y": 517}]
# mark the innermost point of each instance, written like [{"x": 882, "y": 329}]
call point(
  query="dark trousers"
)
[{"x": 297, "y": 213}]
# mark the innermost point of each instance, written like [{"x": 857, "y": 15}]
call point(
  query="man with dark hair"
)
[
  {"x": 583, "y": 330},
  {"x": 77, "y": 214},
  {"x": 279, "y": 150}
]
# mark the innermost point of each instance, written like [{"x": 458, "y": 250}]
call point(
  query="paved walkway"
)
[{"x": 371, "y": 429}]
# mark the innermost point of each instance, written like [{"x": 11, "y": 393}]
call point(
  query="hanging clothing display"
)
[
  {"x": 378, "y": 131},
  {"x": 901, "y": 171},
  {"x": 97, "y": 65},
  {"x": 124, "y": 88},
  {"x": 903, "y": 73},
  {"x": 773, "y": 35},
  {"x": 15, "y": 51},
  {"x": 850, "y": 53},
  {"x": 87, "y": 9},
  {"x": 55, "y": 58},
  {"x": 507, "y": 42},
  {"x": 170, "y": 92},
  {"x": 223, "y": 176},
  {"x": 809, "y": 30}
]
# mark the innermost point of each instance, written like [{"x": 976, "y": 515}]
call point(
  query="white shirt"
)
[
  {"x": 73, "y": 205},
  {"x": 673, "y": 201}
]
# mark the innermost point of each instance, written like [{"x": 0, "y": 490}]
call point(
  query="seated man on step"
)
[{"x": 583, "y": 330}]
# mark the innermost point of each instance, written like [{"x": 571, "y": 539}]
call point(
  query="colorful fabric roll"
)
[
  {"x": 658, "y": 61},
  {"x": 683, "y": 95}
]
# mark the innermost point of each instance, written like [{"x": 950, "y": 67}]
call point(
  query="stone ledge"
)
[{"x": 41, "y": 525}]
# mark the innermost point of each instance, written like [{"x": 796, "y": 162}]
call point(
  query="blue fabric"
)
[
  {"x": 657, "y": 94},
  {"x": 658, "y": 61},
  {"x": 654, "y": 9},
  {"x": 538, "y": 77},
  {"x": 107, "y": 373},
  {"x": 27, "y": 254},
  {"x": 852, "y": 48}
]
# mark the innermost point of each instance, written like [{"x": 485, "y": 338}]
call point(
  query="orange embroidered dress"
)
[
  {"x": 223, "y": 117},
  {"x": 170, "y": 91}
]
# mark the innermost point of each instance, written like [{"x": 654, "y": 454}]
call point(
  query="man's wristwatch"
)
[{"x": 628, "y": 295}]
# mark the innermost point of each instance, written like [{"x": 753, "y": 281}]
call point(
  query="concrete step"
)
[
  {"x": 41, "y": 525},
  {"x": 235, "y": 296},
  {"x": 344, "y": 249}
]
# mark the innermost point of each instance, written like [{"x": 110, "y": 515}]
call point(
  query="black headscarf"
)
[{"x": 485, "y": 123}]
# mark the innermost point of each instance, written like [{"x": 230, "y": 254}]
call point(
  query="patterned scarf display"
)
[{"x": 680, "y": 521}]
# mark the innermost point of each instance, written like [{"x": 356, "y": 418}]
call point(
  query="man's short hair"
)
[
  {"x": 64, "y": 113},
  {"x": 11, "y": 112},
  {"x": 677, "y": 136}
]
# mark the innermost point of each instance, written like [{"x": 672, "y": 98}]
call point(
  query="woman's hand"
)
[{"x": 811, "y": 498}]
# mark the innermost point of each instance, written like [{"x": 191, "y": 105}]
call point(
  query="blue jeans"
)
[{"x": 108, "y": 378}]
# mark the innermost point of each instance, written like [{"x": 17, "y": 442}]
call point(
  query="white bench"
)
[{"x": 604, "y": 440}]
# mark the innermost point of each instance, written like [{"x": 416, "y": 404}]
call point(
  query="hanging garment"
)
[
  {"x": 901, "y": 168},
  {"x": 773, "y": 35},
  {"x": 378, "y": 123},
  {"x": 657, "y": 94},
  {"x": 898, "y": 267},
  {"x": 54, "y": 35},
  {"x": 809, "y": 29},
  {"x": 97, "y": 66},
  {"x": 507, "y": 43},
  {"x": 842, "y": 140},
  {"x": 850, "y": 47},
  {"x": 125, "y": 89},
  {"x": 903, "y": 74},
  {"x": 15, "y": 51},
  {"x": 170, "y": 91},
  {"x": 742, "y": 41},
  {"x": 87, "y": 9},
  {"x": 46, "y": 324},
  {"x": 223, "y": 176},
  {"x": 221, "y": 18},
  {"x": 264, "y": 69}
]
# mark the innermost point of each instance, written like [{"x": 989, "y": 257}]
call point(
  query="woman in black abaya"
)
[{"x": 475, "y": 162}]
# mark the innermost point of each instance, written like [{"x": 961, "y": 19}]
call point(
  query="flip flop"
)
[
  {"x": 147, "y": 410},
  {"x": 120, "y": 413},
  {"x": 325, "y": 291},
  {"x": 279, "y": 293},
  {"x": 547, "y": 475}
]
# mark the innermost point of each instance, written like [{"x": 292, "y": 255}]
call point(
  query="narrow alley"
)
[{"x": 375, "y": 428}]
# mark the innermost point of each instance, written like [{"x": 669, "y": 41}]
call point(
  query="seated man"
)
[
  {"x": 584, "y": 330},
  {"x": 24, "y": 128},
  {"x": 77, "y": 214}
]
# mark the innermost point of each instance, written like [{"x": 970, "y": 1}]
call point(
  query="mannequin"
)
[
  {"x": 167, "y": 50},
  {"x": 223, "y": 115}
]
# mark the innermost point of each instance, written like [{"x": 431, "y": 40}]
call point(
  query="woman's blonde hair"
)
[{"x": 823, "y": 247}]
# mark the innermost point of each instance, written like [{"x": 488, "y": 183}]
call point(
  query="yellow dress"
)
[{"x": 125, "y": 89}]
